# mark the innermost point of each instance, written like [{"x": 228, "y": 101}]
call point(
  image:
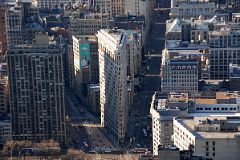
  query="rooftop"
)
[
  {"x": 221, "y": 98},
  {"x": 191, "y": 122}
]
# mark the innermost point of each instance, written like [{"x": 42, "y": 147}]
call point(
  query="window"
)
[
  {"x": 207, "y": 154},
  {"x": 213, "y": 143},
  {"x": 206, "y": 143},
  {"x": 213, "y": 154}
]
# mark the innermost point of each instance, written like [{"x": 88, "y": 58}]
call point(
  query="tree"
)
[{"x": 73, "y": 153}]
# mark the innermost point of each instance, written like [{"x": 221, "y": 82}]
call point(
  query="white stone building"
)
[
  {"x": 179, "y": 73},
  {"x": 163, "y": 110},
  {"x": 211, "y": 137},
  {"x": 113, "y": 82},
  {"x": 187, "y": 9}
]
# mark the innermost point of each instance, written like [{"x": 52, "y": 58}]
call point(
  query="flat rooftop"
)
[
  {"x": 227, "y": 95},
  {"x": 219, "y": 96},
  {"x": 189, "y": 124}
]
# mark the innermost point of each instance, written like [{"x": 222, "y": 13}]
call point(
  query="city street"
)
[{"x": 139, "y": 119}]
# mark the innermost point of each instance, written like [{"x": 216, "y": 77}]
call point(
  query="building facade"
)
[
  {"x": 22, "y": 22},
  {"x": 86, "y": 65},
  {"x": 94, "y": 98},
  {"x": 113, "y": 82},
  {"x": 188, "y": 9},
  {"x": 36, "y": 85},
  {"x": 50, "y": 4},
  {"x": 163, "y": 110},
  {"x": 87, "y": 24},
  {"x": 234, "y": 77},
  {"x": 179, "y": 73},
  {"x": 5, "y": 129},
  {"x": 3, "y": 39}
]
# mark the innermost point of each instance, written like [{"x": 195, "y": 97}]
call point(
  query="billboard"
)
[{"x": 84, "y": 55}]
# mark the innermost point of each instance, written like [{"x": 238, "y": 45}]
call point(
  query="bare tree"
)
[{"x": 73, "y": 153}]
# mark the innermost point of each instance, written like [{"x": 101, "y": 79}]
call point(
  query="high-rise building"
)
[
  {"x": 179, "y": 72},
  {"x": 234, "y": 4},
  {"x": 36, "y": 85},
  {"x": 113, "y": 64},
  {"x": 117, "y": 7},
  {"x": 4, "y": 105},
  {"x": 87, "y": 23},
  {"x": 3, "y": 40},
  {"x": 112, "y": 7},
  {"x": 102, "y": 6},
  {"x": 86, "y": 65},
  {"x": 137, "y": 7},
  {"x": 14, "y": 20},
  {"x": 224, "y": 50},
  {"x": 22, "y": 22},
  {"x": 234, "y": 77}
]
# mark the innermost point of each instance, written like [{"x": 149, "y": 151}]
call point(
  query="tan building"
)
[
  {"x": 88, "y": 23},
  {"x": 187, "y": 9},
  {"x": 117, "y": 7},
  {"x": 85, "y": 57},
  {"x": 211, "y": 137},
  {"x": 112, "y": 7}
]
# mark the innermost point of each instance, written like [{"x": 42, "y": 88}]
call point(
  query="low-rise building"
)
[
  {"x": 163, "y": 110},
  {"x": 213, "y": 137},
  {"x": 204, "y": 104}
]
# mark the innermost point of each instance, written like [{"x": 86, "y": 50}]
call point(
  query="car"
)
[
  {"x": 107, "y": 150},
  {"x": 140, "y": 150},
  {"x": 92, "y": 151}
]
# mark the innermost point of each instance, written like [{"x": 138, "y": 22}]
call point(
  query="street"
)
[{"x": 139, "y": 119}]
